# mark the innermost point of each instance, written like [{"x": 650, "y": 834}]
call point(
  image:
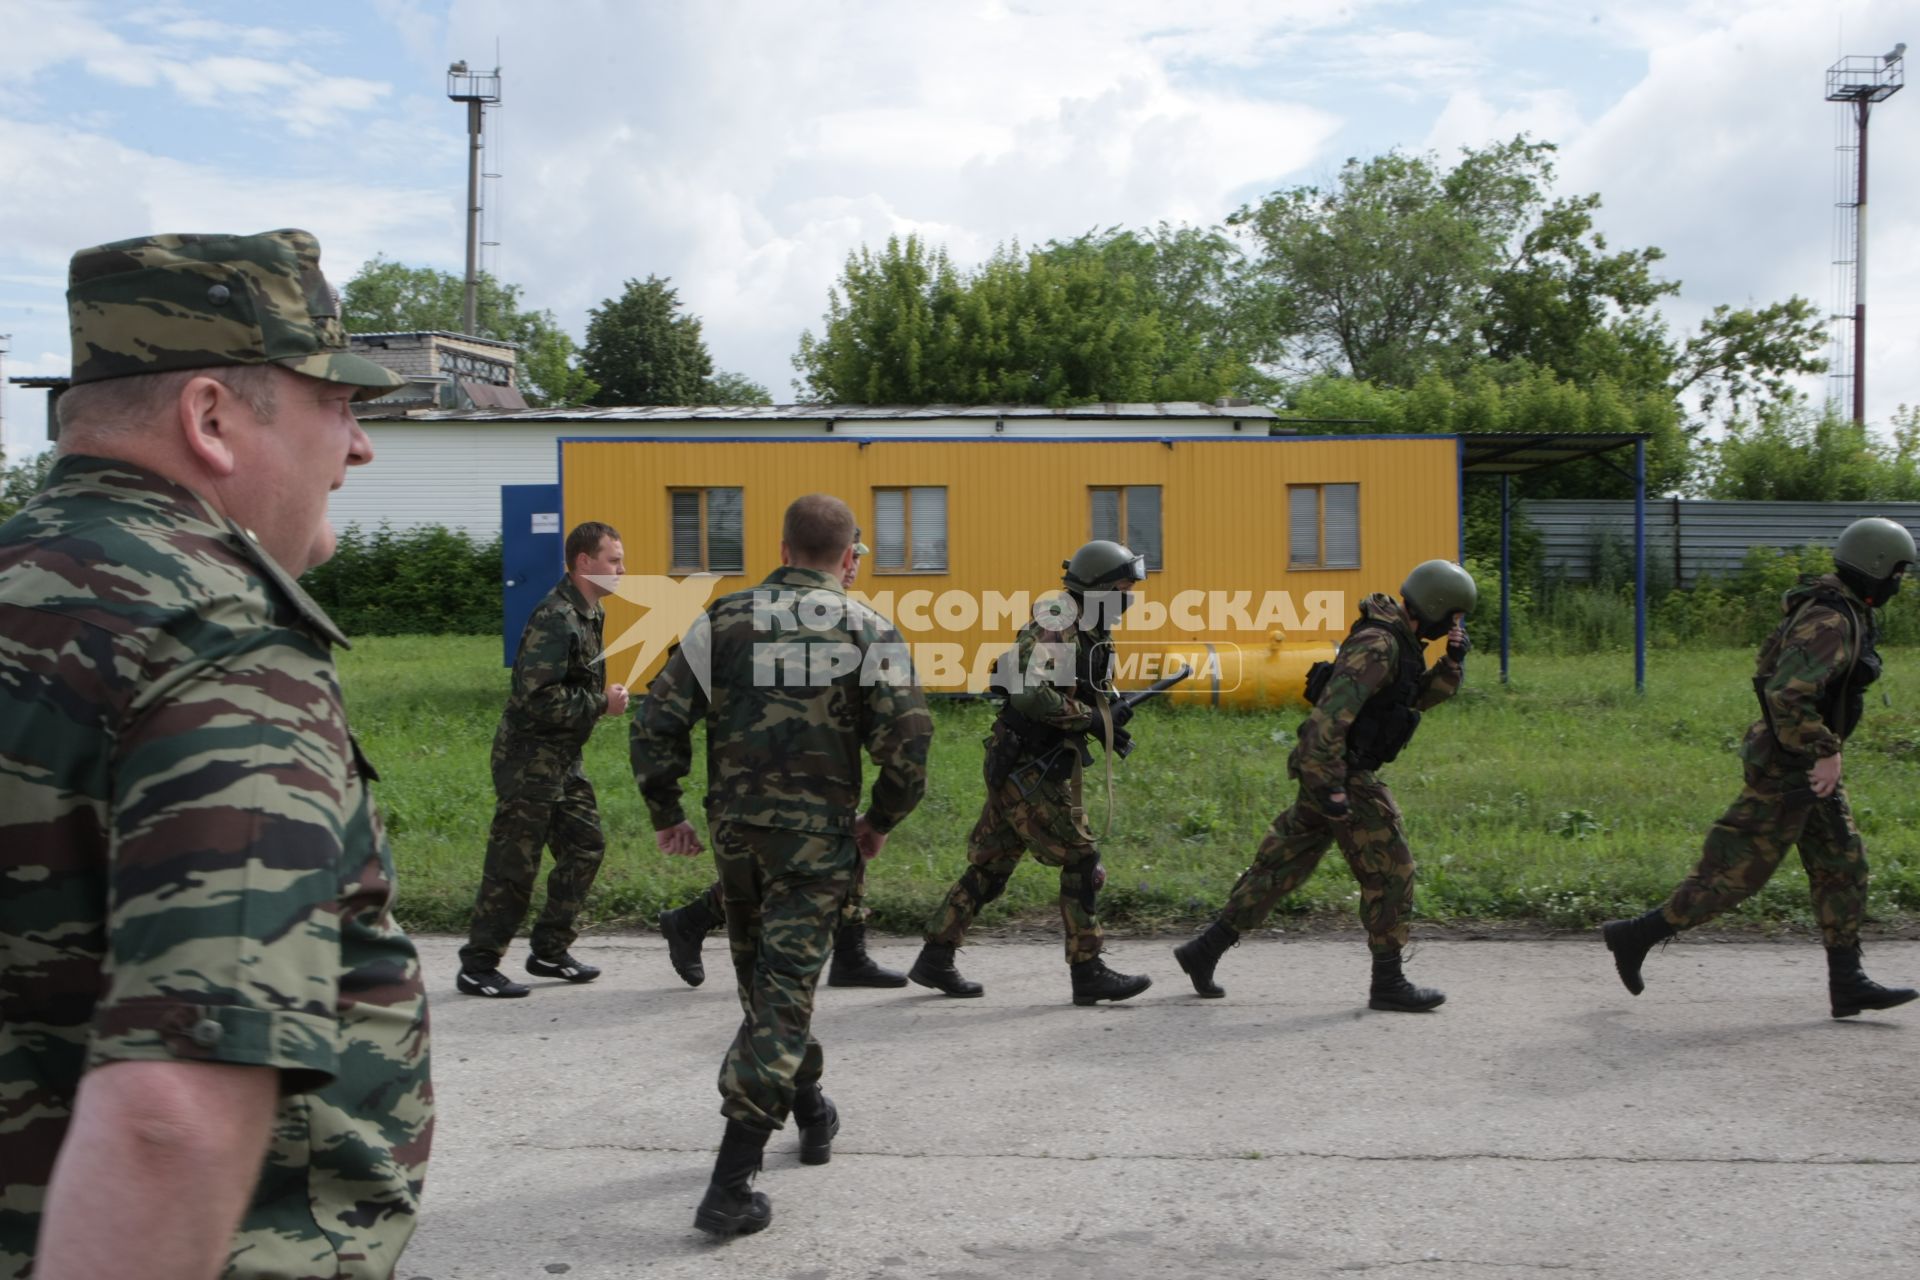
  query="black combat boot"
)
[
  {"x": 1630, "y": 940},
  {"x": 1093, "y": 982},
  {"x": 1199, "y": 955},
  {"x": 819, "y": 1122},
  {"x": 1852, "y": 991},
  {"x": 731, "y": 1206},
  {"x": 935, "y": 969},
  {"x": 1392, "y": 991},
  {"x": 853, "y": 967},
  {"x": 685, "y": 928}
]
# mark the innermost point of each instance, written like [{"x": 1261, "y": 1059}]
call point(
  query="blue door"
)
[{"x": 531, "y": 554}]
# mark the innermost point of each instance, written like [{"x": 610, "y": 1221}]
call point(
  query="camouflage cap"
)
[{"x": 165, "y": 302}]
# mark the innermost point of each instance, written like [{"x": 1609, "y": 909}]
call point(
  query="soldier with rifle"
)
[{"x": 1059, "y": 697}]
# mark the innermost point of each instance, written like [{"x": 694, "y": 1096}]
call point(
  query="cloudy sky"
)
[{"x": 743, "y": 147}]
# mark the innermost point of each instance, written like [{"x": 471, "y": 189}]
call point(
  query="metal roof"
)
[
  {"x": 1513, "y": 453},
  {"x": 440, "y": 333},
  {"x": 850, "y": 412}
]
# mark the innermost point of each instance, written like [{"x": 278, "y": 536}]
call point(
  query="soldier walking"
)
[
  {"x": 1062, "y": 697},
  {"x": 543, "y": 798},
  {"x": 793, "y": 681},
  {"x": 1811, "y": 678},
  {"x": 1366, "y": 706},
  {"x": 686, "y": 928}
]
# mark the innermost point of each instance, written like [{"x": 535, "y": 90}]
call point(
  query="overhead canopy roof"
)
[{"x": 1512, "y": 453}]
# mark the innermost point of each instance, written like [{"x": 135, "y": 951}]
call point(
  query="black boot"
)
[
  {"x": 1093, "y": 982},
  {"x": 1630, "y": 940},
  {"x": 1199, "y": 955},
  {"x": 1392, "y": 991},
  {"x": 853, "y": 967},
  {"x": 935, "y": 969},
  {"x": 731, "y": 1206},
  {"x": 818, "y": 1120},
  {"x": 1852, "y": 991},
  {"x": 685, "y": 928}
]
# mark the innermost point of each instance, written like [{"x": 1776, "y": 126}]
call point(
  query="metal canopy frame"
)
[{"x": 1512, "y": 453}]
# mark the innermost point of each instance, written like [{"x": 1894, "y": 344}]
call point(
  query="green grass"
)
[{"x": 1557, "y": 801}]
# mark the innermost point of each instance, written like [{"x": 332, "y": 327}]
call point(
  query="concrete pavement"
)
[{"x": 1543, "y": 1122}]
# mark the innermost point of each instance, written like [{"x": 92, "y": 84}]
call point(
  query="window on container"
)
[
  {"x": 708, "y": 531},
  {"x": 1129, "y": 515},
  {"x": 910, "y": 530},
  {"x": 1323, "y": 526}
]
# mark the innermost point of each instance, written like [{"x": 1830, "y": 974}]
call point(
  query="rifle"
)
[{"x": 1040, "y": 766}]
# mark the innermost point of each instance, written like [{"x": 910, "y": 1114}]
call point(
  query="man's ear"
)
[{"x": 207, "y": 414}]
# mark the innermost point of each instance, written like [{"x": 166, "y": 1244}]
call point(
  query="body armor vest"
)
[
  {"x": 1386, "y": 721},
  {"x": 1844, "y": 700}
]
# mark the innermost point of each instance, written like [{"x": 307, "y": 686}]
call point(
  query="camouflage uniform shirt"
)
[
  {"x": 1817, "y": 645},
  {"x": 1366, "y": 662},
  {"x": 193, "y": 869},
  {"x": 559, "y": 686},
  {"x": 802, "y": 678}
]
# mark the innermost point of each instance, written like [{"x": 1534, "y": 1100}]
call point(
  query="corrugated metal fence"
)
[{"x": 1689, "y": 539}]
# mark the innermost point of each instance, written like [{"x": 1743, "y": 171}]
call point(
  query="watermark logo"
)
[{"x": 810, "y": 637}]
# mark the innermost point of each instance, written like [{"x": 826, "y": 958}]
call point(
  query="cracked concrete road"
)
[{"x": 1543, "y": 1122}]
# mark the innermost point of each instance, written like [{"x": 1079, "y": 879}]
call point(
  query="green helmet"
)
[
  {"x": 1101, "y": 564},
  {"x": 1439, "y": 589},
  {"x": 1874, "y": 547}
]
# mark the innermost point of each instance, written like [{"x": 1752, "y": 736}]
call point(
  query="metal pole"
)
[
  {"x": 1640, "y": 566},
  {"x": 469, "y": 317},
  {"x": 1506, "y": 572},
  {"x": 1860, "y": 110}
]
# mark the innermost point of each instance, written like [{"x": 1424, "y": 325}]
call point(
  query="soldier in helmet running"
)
[
  {"x": 1060, "y": 696},
  {"x": 1811, "y": 679},
  {"x": 1366, "y": 705}
]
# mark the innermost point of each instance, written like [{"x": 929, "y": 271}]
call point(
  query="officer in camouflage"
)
[
  {"x": 543, "y": 798},
  {"x": 1060, "y": 696},
  {"x": 686, "y": 928},
  {"x": 1811, "y": 678},
  {"x": 1365, "y": 710},
  {"x": 794, "y": 681},
  {"x": 213, "y": 1046}
]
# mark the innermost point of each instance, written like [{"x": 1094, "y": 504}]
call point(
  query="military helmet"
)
[
  {"x": 1874, "y": 547},
  {"x": 1438, "y": 589},
  {"x": 1100, "y": 564}
]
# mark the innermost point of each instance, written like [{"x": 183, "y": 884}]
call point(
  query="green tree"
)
[
  {"x": 642, "y": 350},
  {"x": 1792, "y": 453},
  {"x": 391, "y": 297},
  {"x": 1113, "y": 315},
  {"x": 734, "y": 388},
  {"x": 21, "y": 480}
]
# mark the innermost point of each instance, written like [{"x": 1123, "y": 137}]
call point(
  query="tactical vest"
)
[
  {"x": 1387, "y": 720},
  {"x": 1844, "y": 700},
  {"x": 1092, "y": 673}
]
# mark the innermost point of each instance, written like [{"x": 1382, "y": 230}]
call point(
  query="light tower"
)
[
  {"x": 1856, "y": 83},
  {"x": 478, "y": 89}
]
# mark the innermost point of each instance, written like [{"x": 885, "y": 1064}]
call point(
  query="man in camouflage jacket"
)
[
  {"x": 542, "y": 796},
  {"x": 1060, "y": 695},
  {"x": 794, "y": 681},
  {"x": 686, "y": 928},
  {"x": 1810, "y": 678},
  {"x": 207, "y": 1014},
  {"x": 1363, "y": 716}
]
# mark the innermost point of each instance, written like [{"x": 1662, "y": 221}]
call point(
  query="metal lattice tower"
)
[{"x": 1855, "y": 83}]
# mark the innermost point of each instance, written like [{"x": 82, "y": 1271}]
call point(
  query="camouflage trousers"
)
[
  {"x": 1375, "y": 846},
  {"x": 1774, "y": 811},
  {"x": 1050, "y": 823},
  {"x": 853, "y": 912},
  {"x": 783, "y": 891},
  {"x": 542, "y": 800}
]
